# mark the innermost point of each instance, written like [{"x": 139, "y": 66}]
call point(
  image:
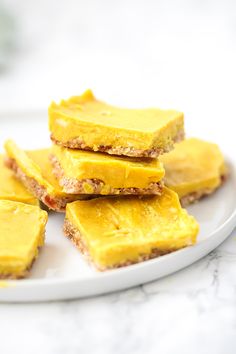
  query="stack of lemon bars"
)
[{"x": 120, "y": 176}]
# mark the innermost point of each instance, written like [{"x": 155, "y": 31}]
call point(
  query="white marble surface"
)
[{"x": 169, "y": 53}]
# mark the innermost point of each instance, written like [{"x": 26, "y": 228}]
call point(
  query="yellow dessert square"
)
[
  {"x": 22, "y": 229},
  {"x": 12, "y": 189},
  {"x": 118, "y": 231},
  {"x": 83, "y": 122},
  {"x": 34, "y": 170},
  {"x": 193, "y": 169},
  {"x": 96, "y": 173}
]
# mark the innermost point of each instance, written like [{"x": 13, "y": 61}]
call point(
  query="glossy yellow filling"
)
[
  {"x": 115, "y": 172},
  {"x": 22, "y": 230},
  {"x": 35, "y": 164},
  {"x": 193, "y": 165},
  {"x": 12, "y": 189},
  {"x": 97, "y": 123},
  {"x": 118, "y": 230}
]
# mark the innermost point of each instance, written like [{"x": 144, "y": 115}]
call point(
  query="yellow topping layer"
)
[
  {"x": 193, "y": 165},
  {"x": 118, "y": 230},
  {"x": 115, "y": 172},
  {"x": 22, "y": 230},
  {"x": 35, "y": 164},
  {"x": 97, "y": 123},
  {"x": 12, "y": 189}
]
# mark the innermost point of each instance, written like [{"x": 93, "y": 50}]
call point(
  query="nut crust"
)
[{"x": 154, "y": 152}]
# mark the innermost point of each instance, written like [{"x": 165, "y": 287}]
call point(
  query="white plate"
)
[{"x": 61, "y": 273}]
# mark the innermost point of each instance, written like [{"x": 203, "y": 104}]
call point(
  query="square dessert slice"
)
[
  {"x": 12, "y": 189},
  {"x": 118, "y": 231},
  {"x": 195, "y": 168},
  {"x": 83, "y": 122},
  {"x": 86, "y": 172},
  {"x": 22, "y": 229},
  {"x": 34, "y": 170}
]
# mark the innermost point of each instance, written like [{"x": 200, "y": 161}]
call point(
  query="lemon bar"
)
[
  {"x": 22, "y": 229},
  {"x": 117, "y": 231},
  {"x": 34, "y": 170},
  {"x": 83, "y": 122},
  {"x": 195, "y": 168},
  {"x": 87, "y": 172},
  {"x": 11, "y": 188}
]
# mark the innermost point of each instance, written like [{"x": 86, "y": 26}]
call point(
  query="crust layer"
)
[
  {"x": 40, "y": 192},
  {"x": 72, "y": 233},
  {"x": 77, "y": 143},
  {"x": 74, "y": 186}
]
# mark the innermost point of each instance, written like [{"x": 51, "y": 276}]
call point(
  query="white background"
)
[
  {"x": 171, "y": 54},
  {"x": 177, "y": 54}
]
